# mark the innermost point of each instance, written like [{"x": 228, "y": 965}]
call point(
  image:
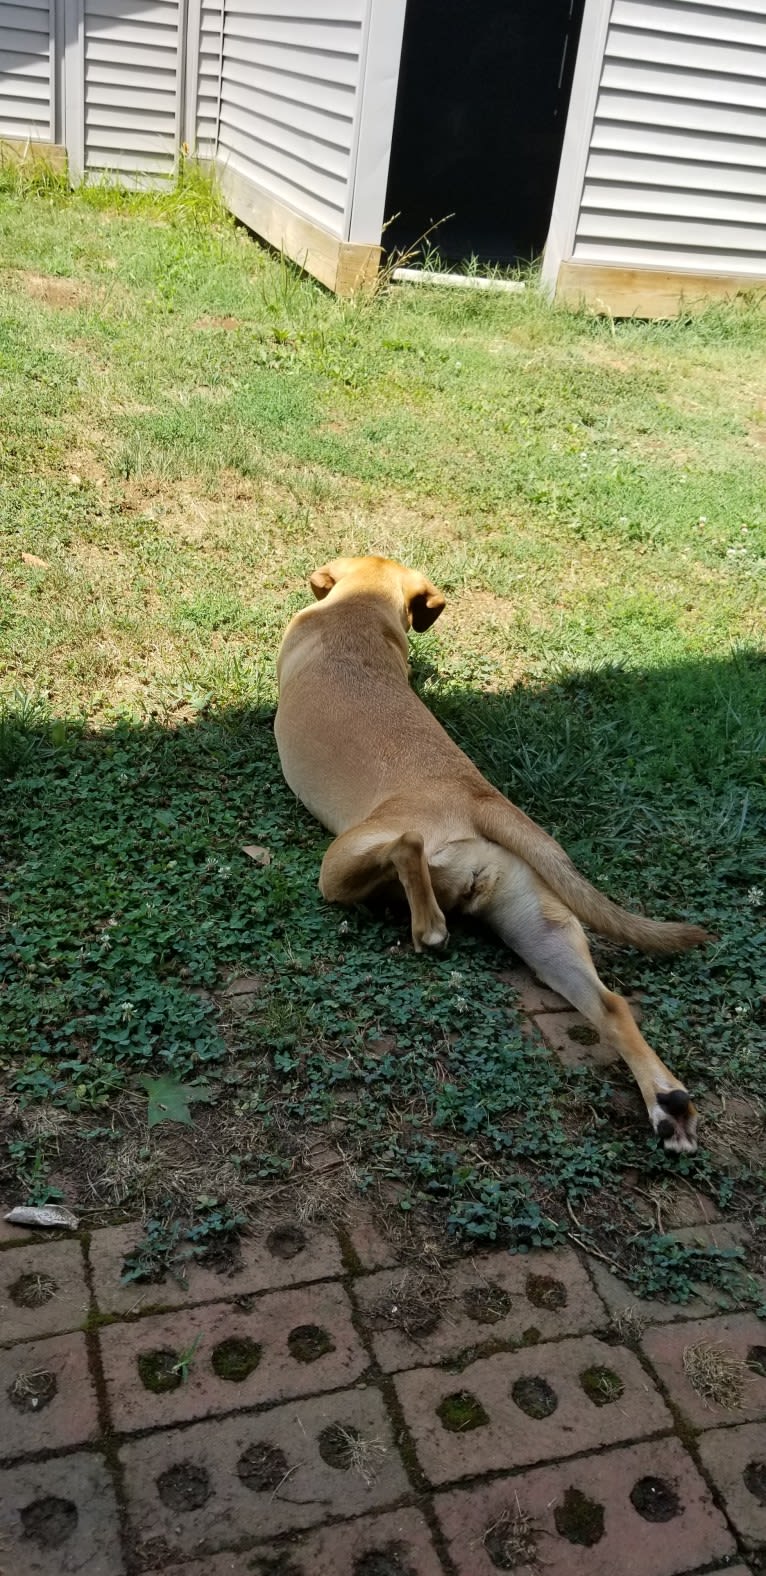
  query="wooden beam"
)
[
  {"x": 647, "y": 292},
  {"x": 342, "y": 266},
  {"x": 23, "y": 152}
]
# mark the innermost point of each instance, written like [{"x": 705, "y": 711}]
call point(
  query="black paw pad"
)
[
  {"x": 676, "y": 1101},
  {"x": 665, "y": 1128}
]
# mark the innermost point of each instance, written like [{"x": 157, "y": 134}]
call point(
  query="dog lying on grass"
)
[{"x": 410, "y": 810}]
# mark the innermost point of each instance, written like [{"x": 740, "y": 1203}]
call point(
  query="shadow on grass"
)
[{"x": 129, "y": 901}]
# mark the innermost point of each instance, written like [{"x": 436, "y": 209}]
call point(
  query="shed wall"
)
[{"x": 26, "y": 70}]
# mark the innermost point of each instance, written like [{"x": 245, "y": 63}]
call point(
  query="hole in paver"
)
[
  {"x": 262, "y": 1467},
  {"x": 756, "y": 1360},
  {"x": 531, "y": 1336},
  {"x": 511, "y": 1541},
  {"x": 184, "y": 1486},
  {"x": 486, "y": 1304},
  {"x": 579, "y": 1519},
  {"x": 409, "y": 1304},
  {"x": 275, "y": 1565},
  {"x": 156, "y": 1370},
  {"x": 309, "y": 1342},
  {"x": 535, "y": 1397},
  {"x": 236, "y": 1358},
  {"x": 582, "y": 1034},
  {"x": 754, "y": 1479},
  {"x": 601, "y": 1385},
  {"x": 30, "y": 1392},
  {"x": 285, "y": 1242},
  {"x": 461, "y": 1411},
  {"x": 655, "y": 1500},
  {"x": 49, "y": 1522},
  {"x": 544, "y": 1291},
  {"x": 389, "y": 1561},
  {"x": 31, "y": 1291},
  {"x": 336, "y": 1445}
]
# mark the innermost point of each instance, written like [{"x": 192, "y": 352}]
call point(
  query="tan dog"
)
[{"x": 370, "y": 761}]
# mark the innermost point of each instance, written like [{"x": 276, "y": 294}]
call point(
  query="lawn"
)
[{"x": 187, "y": 428}]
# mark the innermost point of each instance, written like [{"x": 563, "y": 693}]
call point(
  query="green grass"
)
[{"x": 187, "y": 427}]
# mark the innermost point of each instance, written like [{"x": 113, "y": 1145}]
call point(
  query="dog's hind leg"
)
[
  {"x": 552, "y": 941},
  {"x": 372, "y": 855}
]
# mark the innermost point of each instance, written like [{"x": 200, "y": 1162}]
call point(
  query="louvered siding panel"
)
[
  {"x": 26, "y": 78},
  {"x": 131, "y": 87},
  {"x": 208, "y": 78},
  {"x": 290, "y": 76},
  {"x": 676, "y": 172}
]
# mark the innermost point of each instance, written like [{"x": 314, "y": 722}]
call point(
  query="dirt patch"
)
[
  {"x": 286, "y": 1242},
  {"x": 389, "y": 1561},
  {"x": 535, "y": 1397},
  {"x": 486, "y": 1304},
  {"x": 30, "y": 1392},
  {"x": 544, "y": 1291},
  {"x": 53, "y": 291},
  {"x": 756, "y": 1360},
  {"x": 236, "y": 1359},
  {"x": 655, "y": 1500},
  {"x": 262, "y": 1467},
  {"x": 582, "y": 1034},
  {"x": 460, "y": 1412},
  {"x": 309, "y": 1342},
  {"x": 158, "y": 1370},
  {"x": 31, "y": 1291},
  {"x": 579, "y": 1519},
  {"x": 601, "y": 1385},
  {"x": 49, "y": 1522},
  {"x": 184, "y": 1487}
]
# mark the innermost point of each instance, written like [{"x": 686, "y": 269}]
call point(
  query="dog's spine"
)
[{"x": 501, "y": 822}]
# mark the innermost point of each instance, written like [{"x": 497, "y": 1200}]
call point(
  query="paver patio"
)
[{"x": 336, "y": 1405}]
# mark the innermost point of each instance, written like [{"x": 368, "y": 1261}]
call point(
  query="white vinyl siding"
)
[
  {"x": 208, "y": 78},
  {"x": 676, "y": 168},
  {"x": 290, "y": 74},
  {"x": 131, "y": 87},
  {"x": 26, "y": 74}
]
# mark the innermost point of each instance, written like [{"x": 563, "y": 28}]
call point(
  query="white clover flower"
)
[
  {"x": 461, "y": 1005},
  {"x": 127, "y": 1009},
  {"x": 755, "y": 896},
  {"x": 456, "y": 979}
]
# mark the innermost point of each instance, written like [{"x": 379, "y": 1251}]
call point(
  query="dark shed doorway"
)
[{"x": 481, "y": 112}]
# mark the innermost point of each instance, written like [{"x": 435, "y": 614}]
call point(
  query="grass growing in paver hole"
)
[{"x": 187, "y": 429}]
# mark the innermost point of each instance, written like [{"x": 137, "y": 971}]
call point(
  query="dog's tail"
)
[{"x": 500, "y": 821}]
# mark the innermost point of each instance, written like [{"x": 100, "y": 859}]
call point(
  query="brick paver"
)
[
  {"x": 490, "y": 1297},
  {"x": 532, "y": 1406},
  {"x": 219, "y": 1482},
  {"x": 287, "y": 1344},
  {"x": 396, "y": 1543},
  {"x": 47, "y": 1398},
  {"x": 736, "y": 1461},
  {"x": 281, "y": 1254},
  {"x": 59, "y": 1517},
  {"x": 575, "y": 1041},
  {"x": 741, "y": 1336},
  {"x": 580, "y": 1518},
  {"x": 42, "y": 1290}
]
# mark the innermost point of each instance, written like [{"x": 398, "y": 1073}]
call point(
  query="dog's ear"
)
[
  {"x": 322, "y": 582},
  {"x": 424, "y": 603}
]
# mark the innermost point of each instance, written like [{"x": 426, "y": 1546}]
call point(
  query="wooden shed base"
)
[
  {"x": 23, "y": 153},
  {"x": 341, "y": 265},
  {"x": 647, "y": 292}
]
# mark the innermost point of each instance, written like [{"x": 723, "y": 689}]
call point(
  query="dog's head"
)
[{"x": 418, "y": 600}]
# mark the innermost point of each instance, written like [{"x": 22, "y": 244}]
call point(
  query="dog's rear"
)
[{"x": 372, "y": 763}]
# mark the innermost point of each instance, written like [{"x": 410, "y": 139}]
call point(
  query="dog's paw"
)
[
  {"x": 433, "y": 935},
  {"x": 674, "y": 1120}
]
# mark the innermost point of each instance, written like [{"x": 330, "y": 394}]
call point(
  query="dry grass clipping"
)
[
  {"x": 715, "y": 1374},
  {"x": 512, "y": 1539},
  {"x": 628, "y": 1325}
]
